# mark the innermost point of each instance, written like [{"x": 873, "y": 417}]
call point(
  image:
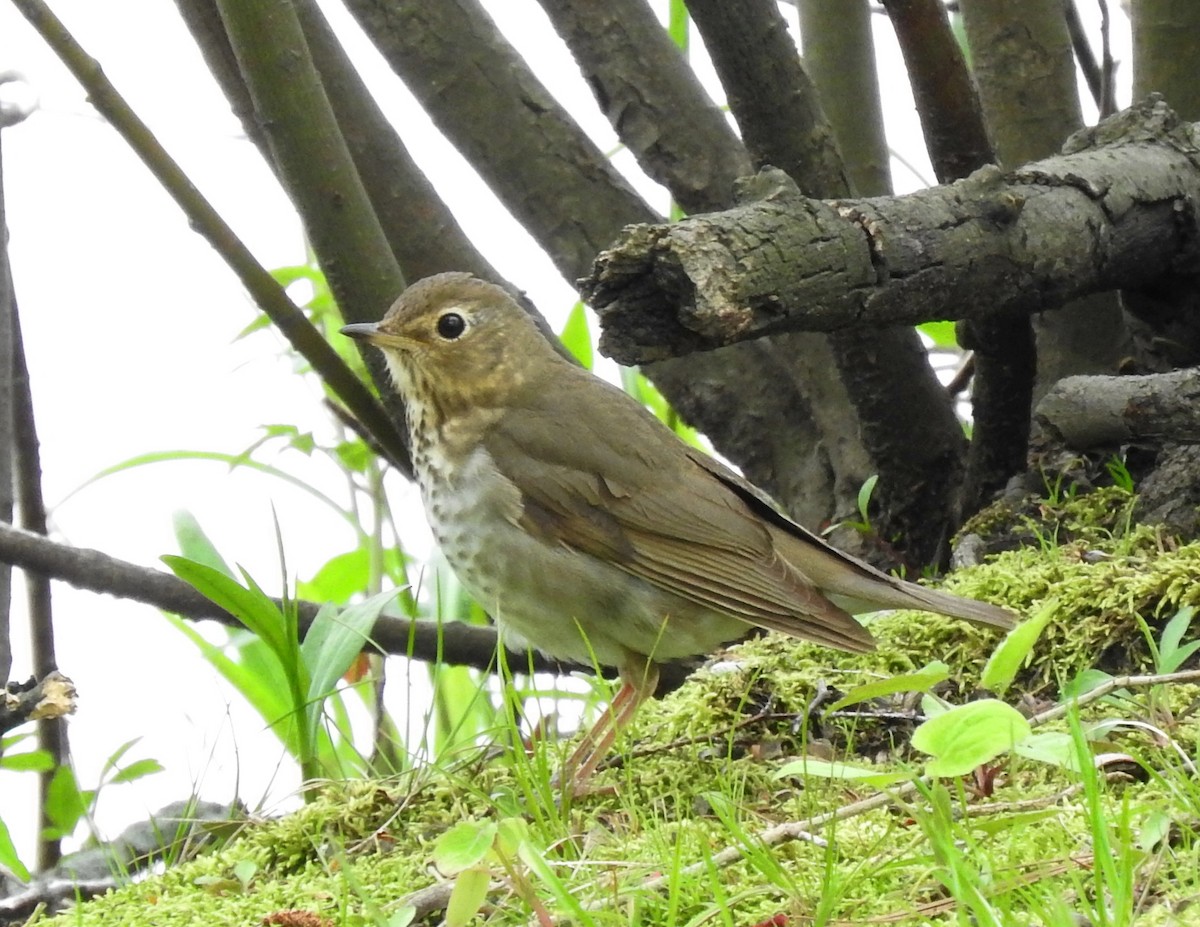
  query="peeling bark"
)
[{"x": 1115, "y": 210}]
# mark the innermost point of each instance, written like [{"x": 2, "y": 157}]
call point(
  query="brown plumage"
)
[{"x": 586, "y": 528}]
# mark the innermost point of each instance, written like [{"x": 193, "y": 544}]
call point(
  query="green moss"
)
[{"x": 714, "y": 746}]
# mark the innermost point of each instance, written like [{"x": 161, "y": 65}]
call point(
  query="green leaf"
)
[
  {"x": 463, "y": 845},
  {"x": 195, "y": 544},
  {"x": 138, "y": 769},
  {"x": 64, "y": 803},
  {"x": 30, "y": 761},
  {"x": 1055, "y": 748},
  {"x": 1171, "y": 655},
  {"x": 467, "y": 896},
  {"x": 941, "y": 333},
  {"x": 511, "y": 833},
  {"x": 576, "y": 337},
  {"x": 253, "y": 609},
  {"x": 335, "y": 639},
  {"x": 401, "y": 917},
  {"x": 244, "y": 870},
  {"x": 821, "y": 769},
  {"x": 969, "y": 736},
  {"x": 1014, "y": 650},
  {"x": 346, "y": 575},
  {"x": 354, "y": 455},
  {"x": 922, "y": 680},
  {"x": 8, "y": 855},
  {"x": 116, "y": 756},
  {"x": 865, "y": 491},
  {"x": 1084, "y": 682}
]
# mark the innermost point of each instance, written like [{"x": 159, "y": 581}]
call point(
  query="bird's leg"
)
[{"x": 639, "y": 679}]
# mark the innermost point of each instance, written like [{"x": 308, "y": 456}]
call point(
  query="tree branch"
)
[
  {"x": 653, "y": 99},
  {"x": 452, "y": 642},
  {"x": 1115, "y": 210},
  {"x": 1086, "y": 413}
]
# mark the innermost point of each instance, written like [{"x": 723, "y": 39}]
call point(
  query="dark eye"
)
[{"x": 450, "y": 325}]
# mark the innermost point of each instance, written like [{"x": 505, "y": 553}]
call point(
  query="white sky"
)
[{"x": 129, "y": 320}]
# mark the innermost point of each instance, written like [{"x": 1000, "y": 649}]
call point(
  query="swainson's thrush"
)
[{"x": 586, "y": 528}]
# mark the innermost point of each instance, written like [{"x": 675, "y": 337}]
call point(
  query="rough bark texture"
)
[
  {"x": 1025, "y": 70},
  {"x": 1170, "y": 495},
  {"x": 1086, "y": 413},
  {"x": 1114, "y": 210},
  {"x": 653, "y": 99},
  {"x": 1166, "y": 34},
  {"x": 776, "y": 407},
  {"x": 561, "y": 184}
]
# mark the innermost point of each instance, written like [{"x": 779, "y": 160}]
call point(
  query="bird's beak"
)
[{"x": 362, "y": 331}]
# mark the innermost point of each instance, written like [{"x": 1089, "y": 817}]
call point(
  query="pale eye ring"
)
[{"x": 451, "y": 325}]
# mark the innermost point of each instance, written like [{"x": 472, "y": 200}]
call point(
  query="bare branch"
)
[{"x": 1113, "y": 211}]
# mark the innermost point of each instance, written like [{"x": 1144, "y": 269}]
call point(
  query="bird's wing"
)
[
  {"x": 635, "y": 498},
  {"x": 837, "y": 573}
]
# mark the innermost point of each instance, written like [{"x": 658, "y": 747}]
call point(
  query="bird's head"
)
[{"x": 453, "y": 338}]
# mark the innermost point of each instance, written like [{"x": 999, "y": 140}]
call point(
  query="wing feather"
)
[{"x": 663, "y": 519}]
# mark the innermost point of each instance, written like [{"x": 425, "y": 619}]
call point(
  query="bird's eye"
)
[{"x": 451, "y": 325}]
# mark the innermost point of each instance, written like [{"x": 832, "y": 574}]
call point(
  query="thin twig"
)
[{"x": 1107, "y": 688}]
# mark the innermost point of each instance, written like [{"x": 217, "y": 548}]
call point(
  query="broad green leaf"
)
[
  {"x": 30, "y": 761},
  {"x": 346, "y": 575},
  {"x": 969, "y": 735},
  {"x": 195, "y": 544},
  {"x": 576, "y": 337},
  {"x": 822, "y": 769},
  {"x": 1014, "y": 650},
  {"x": 401, "y": 917},
  {"x": 463, "y": 845},
  {"x": 64, "y": 803},
  {"x": 244, "y": 870},
  {"x": 1085, "y": 681},
  {"x": 1055, "y": 748},
  {"x": 467, "y": 896},
  {"x": 354, "y": 455},
  {"x": 335, "y": 639},
  {"x": 922, "y": 680},
  {"x": 1171, "y": 654},
  {"x": 8, "y": 855},
  {"x": 510, "y": 834}
]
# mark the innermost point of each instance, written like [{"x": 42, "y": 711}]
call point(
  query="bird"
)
[{"x": 585, "y": 527}]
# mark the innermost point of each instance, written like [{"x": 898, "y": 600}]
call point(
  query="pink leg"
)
[{"x": 638, "y": 682}]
